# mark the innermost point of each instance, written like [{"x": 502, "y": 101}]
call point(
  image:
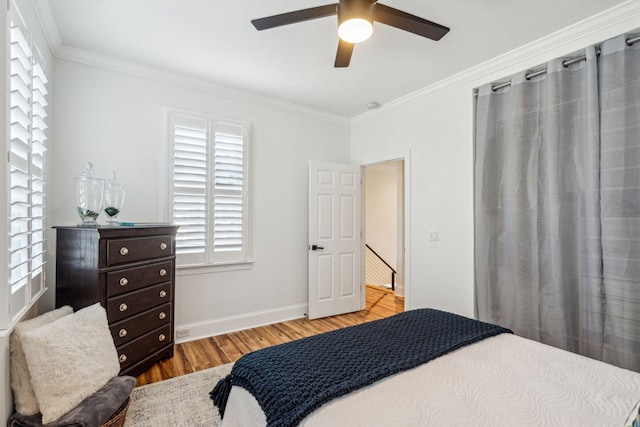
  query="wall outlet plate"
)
[{"x": 183, "y": 333}]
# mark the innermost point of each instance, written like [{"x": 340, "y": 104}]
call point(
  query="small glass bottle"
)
[
  {"x": 89, "y": 193},
  {"x": 113, "y": 198}
]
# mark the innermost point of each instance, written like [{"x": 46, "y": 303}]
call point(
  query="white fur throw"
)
[
  {"x": 70, "y": 359},
  {"x": 23, "y": 396}
]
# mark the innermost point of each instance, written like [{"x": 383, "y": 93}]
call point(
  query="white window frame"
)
[
  {"x": 211, "y": 260},
  {"x": 25, "y": 250}
]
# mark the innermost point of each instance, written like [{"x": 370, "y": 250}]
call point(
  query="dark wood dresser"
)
[{"x": 130, "y": 271}]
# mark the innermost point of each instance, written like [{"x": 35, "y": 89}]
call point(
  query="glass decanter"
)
[
  {"x": 89, "y": 193},
  {"x": 113, "y": 198}
]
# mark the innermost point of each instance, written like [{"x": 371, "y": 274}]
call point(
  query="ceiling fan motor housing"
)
[{"x": 350, "y": 9}]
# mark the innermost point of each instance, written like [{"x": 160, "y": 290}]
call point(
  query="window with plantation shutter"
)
[
  {"x": 228, "y": 212},
  {"x": 27, "y": 179},
  {"x": 210, "y": 190}
]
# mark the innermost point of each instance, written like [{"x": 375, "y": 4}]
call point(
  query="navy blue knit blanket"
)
[{"x": 291, "y": 380}]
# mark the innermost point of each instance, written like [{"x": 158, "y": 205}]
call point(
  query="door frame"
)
[{"x": 405, "y": 156}]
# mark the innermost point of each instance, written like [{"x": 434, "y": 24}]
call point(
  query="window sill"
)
[
  {"x": 7, "y": 331},
  {"x": 190, "y": 270}
]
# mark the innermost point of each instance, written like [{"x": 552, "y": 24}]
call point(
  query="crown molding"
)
[
  {"x": 614, "y": 21},
  {"x": 47, "y": 21},
  {"x": 81, "y": 56},
  {"x": 110, "y": 63}
]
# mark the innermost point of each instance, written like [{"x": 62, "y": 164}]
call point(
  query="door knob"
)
[{"x": 316, "y": 247}]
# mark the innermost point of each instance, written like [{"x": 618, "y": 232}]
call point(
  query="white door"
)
[{"x": 335, "y": 239}]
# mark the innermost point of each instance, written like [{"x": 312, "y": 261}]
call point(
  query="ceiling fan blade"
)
[
  {"x": 343, "y": 57},
  {"x": 405, "y": 21},
  {"x": 294, "y": 17}
]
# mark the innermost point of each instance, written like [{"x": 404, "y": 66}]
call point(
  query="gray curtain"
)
[
  {"x": 619, "y": 77},
  {"x": 542, "y": 211}
]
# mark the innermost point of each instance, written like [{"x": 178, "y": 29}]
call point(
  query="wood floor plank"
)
[
  {"x": 206, "y": 353},
  {"x": 250, "y": 343},
  {"x": 289, "y": 331},
  {"x": 218, "y": 355}
]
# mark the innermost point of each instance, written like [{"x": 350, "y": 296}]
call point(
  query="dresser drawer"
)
[
  {"x": 130, "y": 279},
  {"x": 136, "y": 302},
  {"x": 121, "y": 251},
  {"x": 135, "y": 350},
  {"x": 135, "y": 326}
]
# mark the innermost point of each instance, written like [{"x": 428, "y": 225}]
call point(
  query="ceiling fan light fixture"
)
[
  {"x": 355, "y": 20},
  {"x": 355, "y": 30},
  {"x": 355, "y": 23}
]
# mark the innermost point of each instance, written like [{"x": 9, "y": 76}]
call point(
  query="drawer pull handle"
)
[
  {"x": 123, "y": 307},
  {"x": 163, "y": 294},
  {"x": 123, "y": 358},
  {"x": 162, "y": 315},
  {"x": 163, "y": 246},
  {"x": 163, "y": 272},
  {"x": 124, "y": 251},
  {"x": 161, "y": 337},
  {"x": 124, "y": 281},
  {"x": 122, "y": 333}
]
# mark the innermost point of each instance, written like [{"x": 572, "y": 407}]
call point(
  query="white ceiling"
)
[{"x": 214, "y": 40}]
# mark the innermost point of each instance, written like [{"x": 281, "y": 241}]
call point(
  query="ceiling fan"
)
[{"x": 355, "y": 23}]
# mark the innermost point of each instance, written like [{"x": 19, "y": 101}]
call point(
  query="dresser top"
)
[
  {"x": 137, "y": 229},
  {"x": 120, "y": 225}
]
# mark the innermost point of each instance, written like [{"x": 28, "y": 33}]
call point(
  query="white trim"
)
[
  {"x": 363, "y": 238},
  {"x": 593, "y": 30},
  {"x": 212, "y": 263},
  {"x": 22, "y": 314},
  {"x": 191, "y": 270},
  {"x": 225, "y": 325},
  {"x": 624, "y": 15},
  {"x": 12, "y": 13},
  {"x": 47, "y": 22},
  {"x": 81, "y": 56},
  {"x": 58, "y": 50},
  {"x": 5, "y": 292}
]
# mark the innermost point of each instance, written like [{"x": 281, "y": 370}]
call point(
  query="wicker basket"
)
[{"x": 117, "y": 419}]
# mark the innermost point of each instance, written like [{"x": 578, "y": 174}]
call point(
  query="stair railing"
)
[{"x": 377, "y": 267}]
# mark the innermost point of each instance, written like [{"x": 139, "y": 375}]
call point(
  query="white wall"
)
[
  {"x": 381, "y": 211},
  {"x": 436, "y": 126},
  {"x": 115, "y": 120}
]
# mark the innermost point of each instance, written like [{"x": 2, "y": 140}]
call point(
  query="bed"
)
[{"x": 485, "y": 377}]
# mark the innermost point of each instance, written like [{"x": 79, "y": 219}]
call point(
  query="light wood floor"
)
[{"x": 206, "y": 353}]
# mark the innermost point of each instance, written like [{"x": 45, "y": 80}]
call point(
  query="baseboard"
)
[{"x": 229, "y": 324}]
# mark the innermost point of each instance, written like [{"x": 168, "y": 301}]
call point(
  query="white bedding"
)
[{"x": 505, "y": 380}]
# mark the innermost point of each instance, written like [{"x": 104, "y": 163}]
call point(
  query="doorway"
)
[{"x": 384, "y": 192}]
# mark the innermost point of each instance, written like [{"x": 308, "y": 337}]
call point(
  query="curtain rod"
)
[{"x": 565, "y": 64}]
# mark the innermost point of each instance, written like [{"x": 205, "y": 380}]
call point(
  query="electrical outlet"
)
[
  {"x": 183, "y": 333},
  {"x": 434, "y": 235}
]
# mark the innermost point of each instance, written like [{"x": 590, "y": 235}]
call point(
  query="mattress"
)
[{"x": 505, "y": 380}]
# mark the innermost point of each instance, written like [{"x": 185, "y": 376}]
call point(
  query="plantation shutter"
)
[
  {"x": 28, "y": 146},
  {"x": 190, "y": 188},
  {"x": 38, "y": 155},
  {"x": 229, "y": 192},
  {"x": 209, "y": 191}
]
